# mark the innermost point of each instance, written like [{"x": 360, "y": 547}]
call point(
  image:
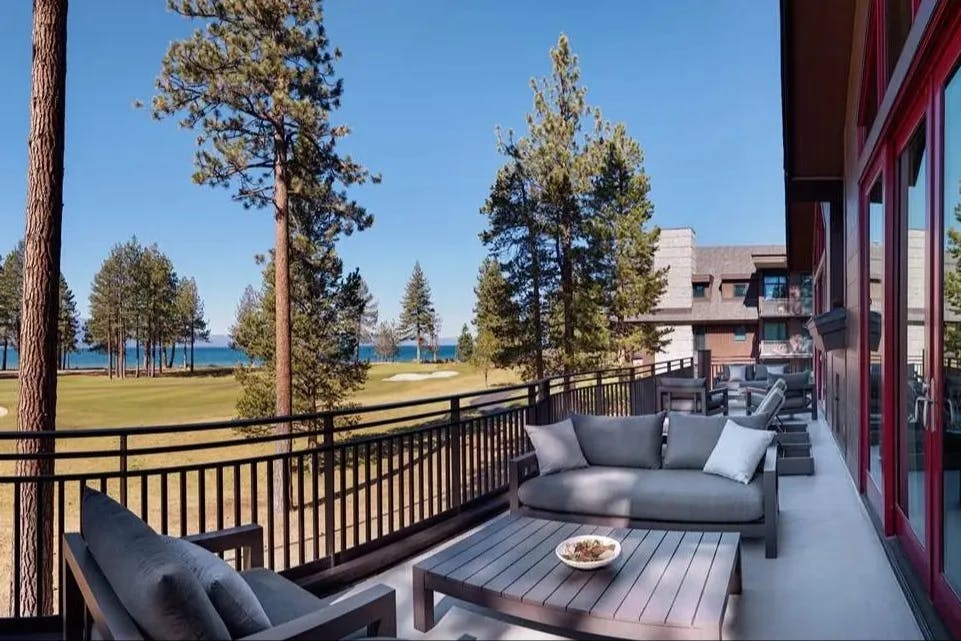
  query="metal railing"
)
[
  {"x": 788, "y": 307},
  {"x": 354, "y": 480},
  {"x": 785, "y": 349}
]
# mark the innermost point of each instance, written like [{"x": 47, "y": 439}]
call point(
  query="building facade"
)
[
  {"x": 872, "y": 149},
  {"x": 739, "y": 301}
]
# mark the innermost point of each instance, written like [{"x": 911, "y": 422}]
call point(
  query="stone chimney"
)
[{"x": 675, "y": 250}]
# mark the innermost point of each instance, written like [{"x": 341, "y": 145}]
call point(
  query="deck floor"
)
[{"x": 831, "y": 580}]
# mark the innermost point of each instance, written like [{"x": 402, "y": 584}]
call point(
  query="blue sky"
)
[{"x": 426, "y": 82}]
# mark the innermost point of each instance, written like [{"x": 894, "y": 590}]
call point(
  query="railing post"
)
[
  {"x": 704, "y": 366},
  {"x": 598, "y": 394},
  {"x": 567, "y": 393},
  {"x": 669, "y": 364},
  {"x": 532, "y": 417},
  {"x": 123, "y": 469},
  {"x": 330, "y": 527},
  {"x": 632, "y": 394},
  {"x": 455, "y": 462},
  {"x": 545, "y": 416}
]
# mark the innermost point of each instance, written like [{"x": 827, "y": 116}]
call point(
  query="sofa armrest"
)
[
  {"x": 248, "y": 540},
  {"x": 374, "y": 609},
  {"x": 88, "y": 596},
  {"x": 769, "y": 486},
  {"x": 521, "y": 468}
]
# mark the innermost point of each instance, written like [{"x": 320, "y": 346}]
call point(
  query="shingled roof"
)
[{"x": 728, "y": 262}]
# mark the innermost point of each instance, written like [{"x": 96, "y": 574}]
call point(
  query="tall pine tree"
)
[
  {"x": 258, "y": 81},
  {"x": 417, "y": 315}
]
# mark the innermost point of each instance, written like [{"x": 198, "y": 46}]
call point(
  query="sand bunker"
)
[
  {"x": 3, "y": 411},
  {"x": 444, "y": 373}
]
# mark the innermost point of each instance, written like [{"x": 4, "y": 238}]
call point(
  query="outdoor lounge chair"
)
[
  {"x": 798, "y": 394},
  {"x": 691, "y": 396},
  {"x": 153, "y": 594}
]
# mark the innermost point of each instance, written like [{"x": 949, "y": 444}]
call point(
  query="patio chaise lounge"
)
[
  {"x": 798, "y": 394},
  {"x": 125, "y": 581}
]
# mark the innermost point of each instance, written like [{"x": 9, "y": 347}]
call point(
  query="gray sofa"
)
[
  {"x": 632, "y": 481},
  {"x": 122, "y": 580},
  {"x": 737, "y": 375}
]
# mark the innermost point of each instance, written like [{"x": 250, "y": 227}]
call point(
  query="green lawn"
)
[{"x": 96, "y": 401}]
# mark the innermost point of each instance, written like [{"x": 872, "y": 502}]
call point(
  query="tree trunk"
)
[
  {"x": 173, "y": 354},
  {"x": 567, "y": 290},
  {"x": 192, "y": 352},
  {"x": 534, "y": 249},
  {"x": 6, "y": 344},
  {"x": 282, "y": 321},
  {"x": 137, "y": 355},
  {"x": 33, "y": 553}
]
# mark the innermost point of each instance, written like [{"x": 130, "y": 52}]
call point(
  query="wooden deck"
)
[{"x": 665, "y": 584}]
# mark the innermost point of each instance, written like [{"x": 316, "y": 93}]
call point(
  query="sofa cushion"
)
[
  {"x": 235, "y": 602},
  {"x": 737, "y": 372},
  {"x": 776, "y": 369},
  {"x": 690, "y": 439},
  {"x": 738, "y": 452},
  {"x": 654, "y": 495},
  {"x": 621, "y": 441},
  {"x": 158, "y": 591},
  {"x": 556, "y": 447},
  {"x": 760, "y": 372},
  {"x": 282, "y": 599}
]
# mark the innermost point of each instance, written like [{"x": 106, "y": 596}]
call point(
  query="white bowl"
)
[{"x": 587, "y": 565}]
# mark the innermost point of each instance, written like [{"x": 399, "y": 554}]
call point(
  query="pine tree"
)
[
  {"x": 499, "y": 340},
  {"x": 11, "y": 298},
  {"x": 68, "y": 325},
  {"x": 465, "y": 344},
  {"x": 417, "y": 309},
  {"x": 190, "y": 318},
  {"x": 367, "y": 318},
  {"x": 387, "y": 340},
  {"x": 258, "y": 81},
  {"x": 37, "y": 399},
  {"x": 621, "y": 213}
]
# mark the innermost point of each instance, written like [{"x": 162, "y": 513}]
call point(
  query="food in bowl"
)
[{"x": 588, "y": 551}]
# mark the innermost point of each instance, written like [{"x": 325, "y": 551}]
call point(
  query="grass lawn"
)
[{"x": 96, "y": 401}]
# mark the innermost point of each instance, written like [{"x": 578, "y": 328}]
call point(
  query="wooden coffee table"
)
[{"x": 665, "y": 584}]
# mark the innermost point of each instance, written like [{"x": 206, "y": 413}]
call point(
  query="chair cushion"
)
[
  {"x": 556, "y": 447},
  {"x": 693, "y": 383},
  {"x": 687, "y": 405},
  {"x": 737, "y": 372},
  {"x": 690, "y": 439},
  {"x": 796, "y": 403},
  {"x": 771, "y": 403},
  {"x": 621, "y": 441},
  {"x": 656, "y": 495},
  {"x": 282, "y": 599},
  {"x": 235, "y": 602},
  {"x": 793, "y": 381},
  {"x": 776, "y": 369},
  {"x": 760, "y": 372},
  {"x": 738, "y": 452},
  {"x": 158, "y": 591}
]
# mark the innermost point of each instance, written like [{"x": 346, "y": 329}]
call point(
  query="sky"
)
[{"x": 425, "y": 84}]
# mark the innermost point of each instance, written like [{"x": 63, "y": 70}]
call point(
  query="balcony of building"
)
[
  {"x": 785, "y": 307},
  {"x": 371, "y": 490}
]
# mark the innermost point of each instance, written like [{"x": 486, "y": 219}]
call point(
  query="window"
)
[
  {"x": 700, "y": 290},
  {"x": 740, "y": 290},
  {"x": 873, "y": 324},
  {"x": 740, "y": 333},
  {"x": 775, "y": 286},
  {"x": 700, "y": 338},
  {"x": 775, "y": 331}
]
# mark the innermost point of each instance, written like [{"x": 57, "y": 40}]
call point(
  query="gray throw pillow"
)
[
  {"x": 159, "y": 592},
  {"x": 738, "y": 373},
  {"x": 621, "y": 441},
  {"x": 233, "y": 598},
  {"x": 760, "y": 372},
  {"x": 556, "y": 447},
  {"x": 776, "y": 369},
  {"x": 691, "y": 439}
]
